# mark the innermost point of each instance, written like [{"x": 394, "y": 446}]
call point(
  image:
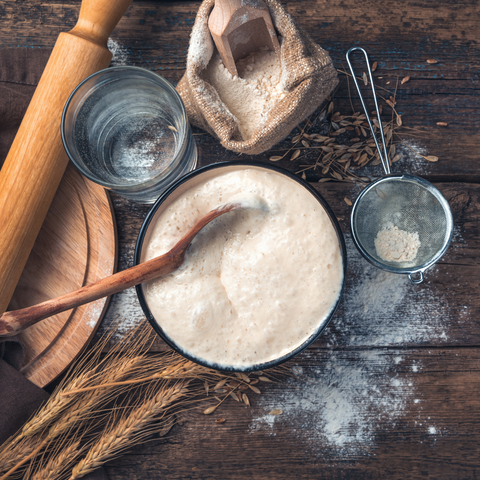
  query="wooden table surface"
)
[{"x": 393, "y": 384}]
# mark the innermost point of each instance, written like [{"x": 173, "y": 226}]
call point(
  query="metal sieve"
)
[{"x": 409, "y": 204}]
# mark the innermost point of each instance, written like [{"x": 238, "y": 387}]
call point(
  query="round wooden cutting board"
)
[{"x": 76, "y": 246}]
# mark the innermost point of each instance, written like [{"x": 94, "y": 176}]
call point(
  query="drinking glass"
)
[{"x": 126, "y": 129}]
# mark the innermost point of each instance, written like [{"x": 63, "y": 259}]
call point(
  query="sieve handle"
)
[
  {"x": 384, "y": 155},
  {"x": 418, "y": 278}
]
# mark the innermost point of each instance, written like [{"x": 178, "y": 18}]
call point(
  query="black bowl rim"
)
[{"x": 164, "y": 196}]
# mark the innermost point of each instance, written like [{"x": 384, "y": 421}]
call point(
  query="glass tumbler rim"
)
[{"x": 164, "y": 83}]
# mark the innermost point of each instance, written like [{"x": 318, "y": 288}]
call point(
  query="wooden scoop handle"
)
[
  {"x": 14, "y": 322},
  {"x": 36, "y": 161},
  {"x": 240, "y": 27}
]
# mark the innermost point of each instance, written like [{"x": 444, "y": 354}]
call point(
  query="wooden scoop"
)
[
  {"x": 14, "y": 322},
  {"x": 240, "y": 27}
]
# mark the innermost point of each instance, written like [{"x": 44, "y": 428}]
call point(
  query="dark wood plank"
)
[
  {"x": 399, "y": 36},
  {"x": 393, "y": 422},
  {"x": 397, "y": 370}
]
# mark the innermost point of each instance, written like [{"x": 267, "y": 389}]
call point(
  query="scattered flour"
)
[
  {"x": 412, "y": 161},
  {"x": 251, "y": 95},
  {"x": 394, "y": 245},
  {"x": 341, "y": 400},
  {"x": 343, "y": 397},
  {"x": 340, "y": 404},
  {"x": 384, "y": 309},
  {"x": 119, "y": 52},
  {"x": 125, "y": 307}
]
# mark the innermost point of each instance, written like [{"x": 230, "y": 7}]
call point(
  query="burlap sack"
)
[{"x": 308, "y": 76}]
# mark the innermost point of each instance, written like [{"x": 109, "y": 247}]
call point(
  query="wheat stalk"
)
[
  {"x": 91, "y": 369},
  {"x": 82, "y": 411},
  {"x": 22, "y": 456},
  {"x": 71, "y": 411},
  {"x": 181, "y": 369},
  {"x": 129, "y": 430},
  {"x": 86, "y": 404},
  {"x": 53, "y": 408},
  {"x": 59, "y": 409},
  {"x": 23, "y": 450},
  {"x": 57, "y": 464}
]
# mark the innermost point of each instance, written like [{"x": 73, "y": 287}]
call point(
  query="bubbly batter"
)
[{"x": 256, "y": 283}]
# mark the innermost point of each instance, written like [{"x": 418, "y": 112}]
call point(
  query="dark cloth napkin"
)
[{"x": 20, "y": 71}]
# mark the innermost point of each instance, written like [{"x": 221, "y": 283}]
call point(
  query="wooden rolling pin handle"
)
[
  {"x": 37, "y": 160},
  {"x": 98, "y": 18}
]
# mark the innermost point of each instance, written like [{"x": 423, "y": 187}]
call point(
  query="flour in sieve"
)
[
  {"x": 252, "y": 94},
  {"x": 395, "y": 245}
]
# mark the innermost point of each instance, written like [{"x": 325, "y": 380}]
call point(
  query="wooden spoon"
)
[
  {"x": 15, "y": 321},
  {"x": 240, "y": 27}
]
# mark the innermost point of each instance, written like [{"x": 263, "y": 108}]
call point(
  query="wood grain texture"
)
[
  {"x": 57, "y": 264},
  {"x": 76, "y": 246},
  {"x": 433, "y": 328},
  {"x": 198, "y": 448},
  {"x": 399, "y": 36}
]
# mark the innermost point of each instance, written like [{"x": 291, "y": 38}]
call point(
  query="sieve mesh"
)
[{"x": 410, "y": 204}]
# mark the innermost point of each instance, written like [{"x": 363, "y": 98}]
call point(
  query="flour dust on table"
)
[
  {"x": 413, "y": 161},
  {"x": 341, "y": 399},
  {"x": 125, "y": 307},
  {"x": 119, "y": 52},
  {"x": 384, "y": 309}
]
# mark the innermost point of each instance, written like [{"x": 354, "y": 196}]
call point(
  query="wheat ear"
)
[
  {"x": 10, "y": 457},
  {"x": 89, "y": 370},
  {"x": 182, "y": 369},
  {"x": 129, "y": 430},
  {"x": 20, "y": 461},
  {"x": 92, "y": 371},
  {"x": 56, "y": 465}
]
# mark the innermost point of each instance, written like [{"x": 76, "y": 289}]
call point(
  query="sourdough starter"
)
[{"x": 255, "y": 284}]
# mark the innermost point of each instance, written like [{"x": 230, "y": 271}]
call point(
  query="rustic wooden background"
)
[{"x": 394, "y": 381}]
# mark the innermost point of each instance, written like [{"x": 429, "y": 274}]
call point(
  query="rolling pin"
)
[{"x": 37, "y": 160}]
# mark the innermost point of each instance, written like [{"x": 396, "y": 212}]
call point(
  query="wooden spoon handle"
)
[{"x": 15, "y": 321}]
